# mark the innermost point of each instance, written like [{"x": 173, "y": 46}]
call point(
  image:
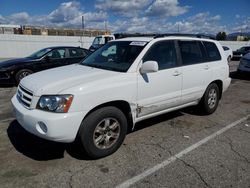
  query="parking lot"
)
[{"x": 178, "y": 149}]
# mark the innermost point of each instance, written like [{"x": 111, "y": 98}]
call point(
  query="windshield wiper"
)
[
  {"x": 103, "y": 67},
  {"x": 93, "y": 65}
]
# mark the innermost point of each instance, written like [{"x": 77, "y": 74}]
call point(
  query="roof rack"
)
[
  {"x": 124, "y": 35},
  {"x": 184, "y": 35}
]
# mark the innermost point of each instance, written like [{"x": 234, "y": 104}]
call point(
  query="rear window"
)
[
  {"x": 225, "y": 48},
  {"x": 212, "y": 51},
  {"x": 76, "y": 52}
]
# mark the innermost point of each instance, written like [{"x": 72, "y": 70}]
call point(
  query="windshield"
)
[
  {"x": 40, "y": 53},
  {"x": 116, "y": 56},
  {"x": 98, "y": 41}
]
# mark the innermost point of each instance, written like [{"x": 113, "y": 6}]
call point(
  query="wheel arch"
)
[
  {"x": 120, "y": 104},
  {"x": 219, "y": 83},
  {"x": 16, "y": 71}
]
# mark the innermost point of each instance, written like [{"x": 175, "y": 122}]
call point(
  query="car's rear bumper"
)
[
  {"x": 237, "y": 55},
  {"x": 226, "y": 84}
]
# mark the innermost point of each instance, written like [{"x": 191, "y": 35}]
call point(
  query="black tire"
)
[
  {"x": 229, "y": 59},
  {"x": 210, "y": 99},
  {"x": 21, "y": 74},
  {"x": 91, "y": 127}
]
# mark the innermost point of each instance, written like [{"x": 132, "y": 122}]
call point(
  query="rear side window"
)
[
  {"x": 76, "y": 52},
  {"x": 192, "y": 52},
  {"x": 108, "y": 39},
  {"x": 212, "y": 51}
]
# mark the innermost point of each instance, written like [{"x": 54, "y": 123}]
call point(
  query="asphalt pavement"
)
[{"x": 178, "y": 149}]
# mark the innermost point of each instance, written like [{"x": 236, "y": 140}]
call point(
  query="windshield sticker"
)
[{"x": 138, "y": 43}]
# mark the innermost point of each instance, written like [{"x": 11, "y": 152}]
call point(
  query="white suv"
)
[{"x": 120, "y": 84}]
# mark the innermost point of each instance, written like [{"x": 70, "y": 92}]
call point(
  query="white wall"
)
[
  {"x": 12, "y": 46},
  {"x": 234, "y": 45}
]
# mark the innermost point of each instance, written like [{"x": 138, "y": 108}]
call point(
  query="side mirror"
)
[
  {"x": 149, "y": 66},
  {"x": 46, "y": 58}
]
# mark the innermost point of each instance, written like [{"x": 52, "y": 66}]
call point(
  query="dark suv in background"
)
[
  {"x": 12, "y": 71},
  {"x": 241, "y": 52}
]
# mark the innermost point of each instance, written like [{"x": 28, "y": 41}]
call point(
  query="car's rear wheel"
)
[
  {"x": 21, "y": 74},
  {"x": 210, "y": 99},
  {"x": 103, "y": 131}
]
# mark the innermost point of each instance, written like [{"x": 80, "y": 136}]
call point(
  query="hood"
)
[
  {"x": 8, "y": 63},
  {"x": 54, "y": 81}
]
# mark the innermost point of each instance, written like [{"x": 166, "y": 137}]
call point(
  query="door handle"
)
[
  {"x": 206, "y": 67},
  {"x": 176, "y": 73}
]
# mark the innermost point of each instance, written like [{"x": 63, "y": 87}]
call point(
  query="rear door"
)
[
  {"x": 160, "y": 90},
  {"x": 196, "y": 70}
]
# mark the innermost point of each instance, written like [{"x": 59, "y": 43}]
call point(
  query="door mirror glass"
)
[{"x": 149, "y": 66}]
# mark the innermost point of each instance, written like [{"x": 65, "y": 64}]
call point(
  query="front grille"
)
[{"x": 24, "y": 96}]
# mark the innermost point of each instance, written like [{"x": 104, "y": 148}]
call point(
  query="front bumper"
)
[
  {"x": 6, "y": 78},
  {"x": 60, "y": 127}
]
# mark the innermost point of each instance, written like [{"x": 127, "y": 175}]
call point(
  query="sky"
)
[{"x": 131, "y": 16}]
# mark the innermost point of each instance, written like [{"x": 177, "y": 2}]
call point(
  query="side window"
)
[
  {"x": 81, "y": 52},
  {"x": 163, "y": 53},
  {"x": 191, "y": 52},
  {"x": 212, "y": 51},
  {"x": 108, "y": 39},
  {"x": 57, "y": 54},
  {"x": 76, "y": 52}
]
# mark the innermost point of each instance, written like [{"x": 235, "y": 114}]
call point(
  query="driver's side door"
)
[{"x": 160, "y": 90}]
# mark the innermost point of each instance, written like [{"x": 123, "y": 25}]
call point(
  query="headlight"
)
[{"x": 55, "y": 103}]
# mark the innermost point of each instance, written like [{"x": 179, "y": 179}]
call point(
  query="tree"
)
[
  {"x": 221, "y": 36},
  {"x": 247, "y": 38}
]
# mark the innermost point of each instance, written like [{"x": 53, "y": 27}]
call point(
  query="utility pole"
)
[
  {"x": 82, "y": 31},
  {"x": 82, "y": 22},
  {"x": 106, "y": 30}
]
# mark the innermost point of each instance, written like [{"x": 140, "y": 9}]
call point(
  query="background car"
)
[
  {"x": 244, "y": 66},
  {"x": 229, "y": 53},
  {"x": 12, "y": 71},
  {"x": 241, "y": 52}
]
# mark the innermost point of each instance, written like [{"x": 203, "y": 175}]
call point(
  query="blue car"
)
[{"x": 244, "y": 65}]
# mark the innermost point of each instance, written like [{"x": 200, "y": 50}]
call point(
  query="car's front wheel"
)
[
  {"x": 103, "y": 131},
  {"x": 210, "y": 99},
  {"x": 21, "y": 74}
]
